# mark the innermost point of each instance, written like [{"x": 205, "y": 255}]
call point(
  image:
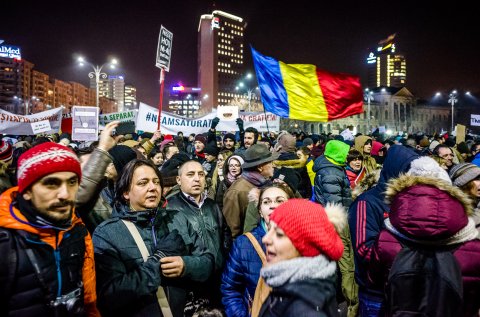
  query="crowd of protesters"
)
[{"x": 238, "y": 224}]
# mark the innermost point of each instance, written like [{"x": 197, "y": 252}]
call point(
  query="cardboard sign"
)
[
  {"x": 84, "y": 123},
  {"x": 41, "y": 126},
  {"x": 227, "y": 113},
  {"x": 164, "y": 49},
  {"x": 460, "y": 137}
]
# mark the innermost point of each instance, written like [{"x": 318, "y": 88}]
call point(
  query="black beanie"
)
[
  {"x": 211, "y": 149},
  {"x": 230, "y": 136},
  {"x": 121, "y": 155},
  {"x": 169, "y": 169}
]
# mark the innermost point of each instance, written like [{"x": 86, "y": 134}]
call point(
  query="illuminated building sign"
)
[
  {"x": 371, "y": 59},
  {"x": 178, "y": 88},
  {"x": 10, "y": 51},
  {"x": 216, "y": 23}
]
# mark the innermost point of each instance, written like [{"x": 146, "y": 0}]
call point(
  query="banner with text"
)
[
  {"x": 11, "y": 123},
  {"x": 475, "y": 120},
  {"x": 130, "y": 115},
  {"x": 147, "y": 119}
]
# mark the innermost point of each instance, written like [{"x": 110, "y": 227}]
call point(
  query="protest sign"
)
[
  {"x": 123, "y": 116},
  {"x": 11, "y": 123},
  {"x": 84, "y": 123}
]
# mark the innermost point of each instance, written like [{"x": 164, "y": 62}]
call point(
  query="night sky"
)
[{"x": 441, "y": 42}]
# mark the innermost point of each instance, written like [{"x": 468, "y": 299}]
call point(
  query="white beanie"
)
[{"x": 428, "y": 167}]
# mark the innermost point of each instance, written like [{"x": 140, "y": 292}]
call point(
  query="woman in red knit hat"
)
[{"x": 302, "y": 247}]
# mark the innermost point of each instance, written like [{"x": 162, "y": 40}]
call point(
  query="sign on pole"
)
[{"x": 164, "y": 49}]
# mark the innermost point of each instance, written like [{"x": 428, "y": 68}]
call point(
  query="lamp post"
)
[
  {"x": 452, "y": 99},
  {"x": 368, "y": 96},
  {"x": 249, "y": 92},
  {"x": 97, "y": 73}
]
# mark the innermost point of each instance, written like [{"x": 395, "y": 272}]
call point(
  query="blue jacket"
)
[
  {"x": 331, "y": 183},
  {"x": 241, "y": 274},
  {"x": 368, "y": 211},
  {"x": 476, "y": 159}
]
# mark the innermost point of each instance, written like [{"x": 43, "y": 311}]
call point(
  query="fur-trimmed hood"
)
[{"x": 426, "y": 207}]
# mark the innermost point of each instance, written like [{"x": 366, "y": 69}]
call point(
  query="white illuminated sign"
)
[
  {"x": 215, "y": 23},
  {"x": 371, "y": 59},
  {"x": 10, "y": 51}
]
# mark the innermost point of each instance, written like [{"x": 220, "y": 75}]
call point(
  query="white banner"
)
[
  {"x": 475, "y": 120},
  {"x": 11, "y": 123},
  {"x": 147, "y": 119}
]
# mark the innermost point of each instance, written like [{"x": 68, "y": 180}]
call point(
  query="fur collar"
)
[
  {"x": 397, "y": 185},
  {"x": 297, "y": 163}
]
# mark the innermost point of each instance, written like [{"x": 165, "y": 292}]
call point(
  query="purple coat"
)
[{"x": 427, "y": 209}]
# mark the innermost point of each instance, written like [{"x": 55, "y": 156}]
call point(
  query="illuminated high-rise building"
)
[
  {"x": 386, "y": 67},
  {"x": 113, "y": 87},
  {"x": 220, "y": 58},
  {"x": 130, "y": 97}
]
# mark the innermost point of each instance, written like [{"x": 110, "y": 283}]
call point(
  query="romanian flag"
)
[{"x": 304, "y": 92}]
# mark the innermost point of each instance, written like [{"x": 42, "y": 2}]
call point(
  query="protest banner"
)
[
  {"x": 123, "y": 116},
  {"x": 11, "y": 123},
  {"x": 147, "y": 120},
  {"x": 85, "y": 123}
]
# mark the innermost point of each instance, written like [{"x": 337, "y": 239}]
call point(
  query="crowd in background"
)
[{"x": 239, "y": 224}]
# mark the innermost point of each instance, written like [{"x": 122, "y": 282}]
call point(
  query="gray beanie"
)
[{"x": 463, "y": 173}]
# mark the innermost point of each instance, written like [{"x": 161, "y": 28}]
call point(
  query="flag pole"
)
[{"x": 160, "y": 105}]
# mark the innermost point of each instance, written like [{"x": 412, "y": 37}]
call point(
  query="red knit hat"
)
[
  {"x": 6, "y": 151},
  {"x": 307, "y": 225},
  {"x": 43, "y": 159}
]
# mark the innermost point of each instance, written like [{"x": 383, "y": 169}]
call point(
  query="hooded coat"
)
[
  {"x": 368, "y": 161},
  {"x": 428, "y": 211},
  {"x": 367, "y": 212}
]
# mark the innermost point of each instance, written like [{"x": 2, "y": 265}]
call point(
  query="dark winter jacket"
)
[
  {"x": 126, "y": 284},
  {"x": 291, "y": 160},
  {"x": 241, "y": 274},
  {"x": 428, "y": 210},
  {"x": 331, "y": 183},
  {"x": 312, "y": 297},
  {"x": 64, "y": 257},
  {"x": 368, "y": 211}
]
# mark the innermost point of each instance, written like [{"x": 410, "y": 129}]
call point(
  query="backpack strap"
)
[
  {"x": 161, "y": 296},
  {"x": 8, "y": 267},
  {"x": 257, "y": 247}
]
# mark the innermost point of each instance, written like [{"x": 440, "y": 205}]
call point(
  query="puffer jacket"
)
[
  {"x": 126, "y": 284},
  {"x": 331, "y": 183},
  {"x": 65, "y": 259},
  {"x": 241, "y": 274},
  {"x": 426, "y": 210}
]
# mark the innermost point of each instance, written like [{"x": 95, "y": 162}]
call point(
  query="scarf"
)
[
  {"x": 298, "y": 269},
  {"x": 255, "y": 178},
  {"x": 467, "y": 233},
  {"x": 200, "y": 154}
]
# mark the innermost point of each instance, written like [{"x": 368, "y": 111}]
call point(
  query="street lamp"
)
[
  {"x": 452, "y": 99},
  {"x": 97, "y": 73},
  {"x": 368, "y": 96},
  {"x": 249, "y": 92}
]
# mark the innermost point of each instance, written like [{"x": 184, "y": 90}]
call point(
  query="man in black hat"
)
[
  {"x": 211, "y": 153},
  {"x": 229, "y": 142},
  {"x": 257, "y": 172}
]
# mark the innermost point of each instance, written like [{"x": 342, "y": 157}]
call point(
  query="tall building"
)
[
  {"x": 113, "y": 87},
  {"x": 386, "y": 67},
  {"x": 184, "y": 101},
  {"x": 220, "y": 58},
  {"x": 130, "y": 97}
]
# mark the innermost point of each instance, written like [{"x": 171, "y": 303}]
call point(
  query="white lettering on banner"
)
[
  {"x": 11, "y": 123},
  {"x": 147, "y": 120},
  {"x": 475, "y": 120}
]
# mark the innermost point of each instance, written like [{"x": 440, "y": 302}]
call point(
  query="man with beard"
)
[{"x": 46, "y": 267}]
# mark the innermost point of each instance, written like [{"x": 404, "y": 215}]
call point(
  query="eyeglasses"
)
[
  {"x": 278, "y": 200},
  {"x": 233, "y": 165}
]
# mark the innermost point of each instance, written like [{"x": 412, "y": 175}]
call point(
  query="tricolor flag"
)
[{"x": 304, "y": 92}]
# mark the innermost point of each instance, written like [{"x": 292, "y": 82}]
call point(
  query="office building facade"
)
[
  {"x": 220, "y": 58},
  {"x": 385, "y": 66}
]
